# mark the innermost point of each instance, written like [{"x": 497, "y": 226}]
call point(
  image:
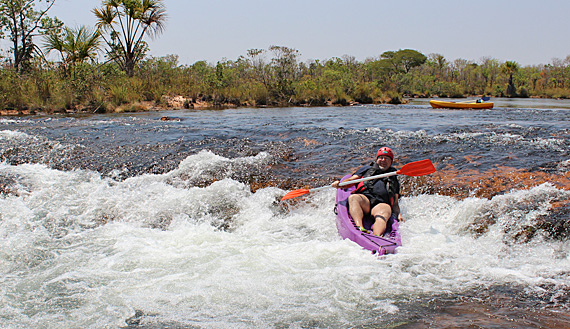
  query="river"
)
[{"x": 172, "y": 219}]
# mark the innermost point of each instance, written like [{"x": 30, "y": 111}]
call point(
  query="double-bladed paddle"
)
[{"x": 417, "y": 168}]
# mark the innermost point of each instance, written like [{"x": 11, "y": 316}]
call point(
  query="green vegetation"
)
[
  {"x": 131, "y": 81},
  {"x": 281, "y": 80}
]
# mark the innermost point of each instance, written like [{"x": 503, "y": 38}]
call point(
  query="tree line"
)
[{"x": 126, "y": 79}]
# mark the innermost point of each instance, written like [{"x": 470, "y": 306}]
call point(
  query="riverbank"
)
[
  {"x": 178, "y": 102},
  {"x": 169, "y": 103},
  {"x": 165, "y": 103}
]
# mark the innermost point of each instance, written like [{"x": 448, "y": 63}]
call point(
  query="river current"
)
[{"x": 172, "y": 219}]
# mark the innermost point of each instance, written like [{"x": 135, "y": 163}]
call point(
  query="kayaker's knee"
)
[{"x": 357, "y": 199}]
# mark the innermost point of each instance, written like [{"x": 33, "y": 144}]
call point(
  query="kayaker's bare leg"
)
[
  {"x": 358, "y": 205},
  {"x": 381, "y": 213}
]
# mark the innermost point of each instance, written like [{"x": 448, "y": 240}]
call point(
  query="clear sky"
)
[{"x": 526, "y": 31}]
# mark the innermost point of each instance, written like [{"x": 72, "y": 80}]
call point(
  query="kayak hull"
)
[
  {"x": 460, "y": 105},
  {"x": 380, "y": 245}
]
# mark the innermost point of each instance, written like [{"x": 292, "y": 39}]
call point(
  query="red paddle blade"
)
[
  {"x": 295, "y": 193},
  {"x": 417, "y": 168}
]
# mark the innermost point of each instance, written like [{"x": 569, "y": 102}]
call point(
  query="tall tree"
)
[
  {"x": 490, "y": 69},
  {"x": 284, "y": 67},
  {"x": 510, "y": 68},
  {"x": 257, "y": 62},
  {"x": 439, "y": 62},
  {"x": 127, "y": 22},
  {"x": 21, "y": 21},
  {"x": 403, "y": 60}
]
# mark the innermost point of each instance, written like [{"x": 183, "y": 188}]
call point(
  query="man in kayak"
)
[{"x": 378, "y": 198}]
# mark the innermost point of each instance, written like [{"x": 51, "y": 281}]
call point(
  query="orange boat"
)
[{"x": 473, "y": 104}]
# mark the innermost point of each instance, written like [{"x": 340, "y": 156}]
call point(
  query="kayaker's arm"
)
[{"x": 335, "y": 183}]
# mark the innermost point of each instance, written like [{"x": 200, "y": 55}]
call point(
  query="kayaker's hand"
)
[
  {"x": 400, "y": 218},
  {"x": 335, "y": 183}
]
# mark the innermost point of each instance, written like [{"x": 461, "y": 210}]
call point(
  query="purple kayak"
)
[{"x": 380, "y": 245}]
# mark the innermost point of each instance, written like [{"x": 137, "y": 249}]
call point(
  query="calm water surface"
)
[{"x": 111, "y": 221}]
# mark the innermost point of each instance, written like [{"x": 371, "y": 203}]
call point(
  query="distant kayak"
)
[
  {"x": 380, "y": 245},
  {"x": 461, "y": 105}
]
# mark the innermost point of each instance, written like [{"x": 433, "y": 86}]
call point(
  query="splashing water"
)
[{"x": 81, "y": 250}]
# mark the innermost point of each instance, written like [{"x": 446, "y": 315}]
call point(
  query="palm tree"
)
[
  {"x": 127, "y": 22},
  {"x": 74, "y": 45},
  {"x": 511, "y": 68}
]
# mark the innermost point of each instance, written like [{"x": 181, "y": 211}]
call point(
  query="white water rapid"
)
[{"x": 81, "y": 251}]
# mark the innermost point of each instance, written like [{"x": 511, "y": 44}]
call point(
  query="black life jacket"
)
[{"x": 367, "y": 187}]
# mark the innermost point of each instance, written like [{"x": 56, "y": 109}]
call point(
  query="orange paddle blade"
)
[
  {"x": 295, "y": 193},
  {"x": 417, "y": 168}
]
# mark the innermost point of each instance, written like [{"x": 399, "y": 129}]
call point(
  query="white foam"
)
[
  {"x": 81, "y": 250},
  {"x": 13, "y": 135}
]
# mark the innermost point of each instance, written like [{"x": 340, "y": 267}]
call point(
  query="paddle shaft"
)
[
  {"x": 482, "y": 99},
  {"x": 416, "y": 168},
  {"x": 470, "y": 101},
  {"x": 354, "y": 181}
]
